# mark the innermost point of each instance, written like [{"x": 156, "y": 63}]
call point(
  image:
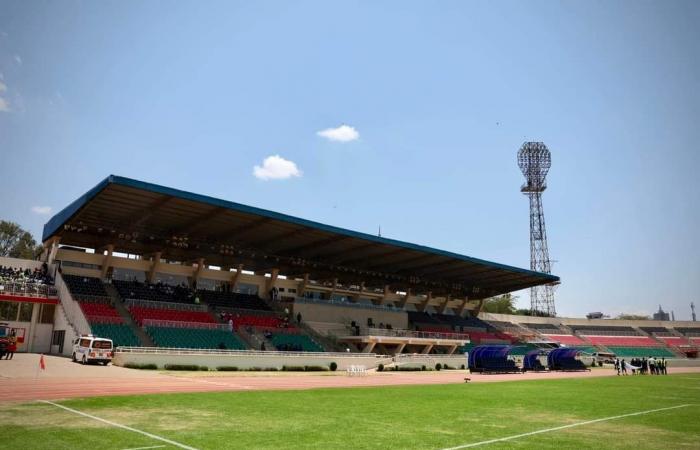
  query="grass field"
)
[{"x": 426, "y": 417}]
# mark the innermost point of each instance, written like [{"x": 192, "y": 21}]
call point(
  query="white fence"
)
[
  {"x": 176, "y": 324},
  {"x": 417, "y": 334},
  {"x": 243, "y": 359},
  {"x": 129, "y": 302},
  {"x": 21, "y": 289}
]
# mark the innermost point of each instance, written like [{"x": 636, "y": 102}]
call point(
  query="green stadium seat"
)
[
  {"x": 298, "y": 342},
  {"x": 201, "y": 338},
  {"x": 120, "y": 334},
  {"x": 642, "y": 352}
]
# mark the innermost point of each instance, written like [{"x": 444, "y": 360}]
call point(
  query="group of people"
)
[
  {"x": 641, "y": 366},
  {"x": 39, "y": 275},
  {"x": 8, "y": 345}
]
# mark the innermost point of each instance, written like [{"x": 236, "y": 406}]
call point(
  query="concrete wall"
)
[
  {"x": 244, "y": 360},
  {"x": 316, "y": 312},
  {"x": 20, "y": 263}
]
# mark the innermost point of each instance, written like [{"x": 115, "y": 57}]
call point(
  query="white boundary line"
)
[
  {"x": 547, "y": 430},
  {"x": 144, "y": 448},
  {"x": 118, "y": 425}
]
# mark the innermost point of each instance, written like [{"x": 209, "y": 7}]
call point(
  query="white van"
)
[{"x": 88, "y": 348}]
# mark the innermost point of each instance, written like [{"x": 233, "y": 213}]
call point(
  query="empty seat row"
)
[
  {"x": 642, "y": 352},
  {"x": 623, "y": 341},
  {"x": 295, "y": 342},
  {"x": 201, "y": 338},
  {"x": 100, "y": 312},
  {"x": 157, "y": 292},
  {"x": 140, "y": 313},
  {"x": 233, "y": 300},
  {"x": 86, "y": 287},
  {"x": 120, "y": 334}
]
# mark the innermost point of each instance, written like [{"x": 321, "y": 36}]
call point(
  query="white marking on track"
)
[
  {"x": 118, "y": 425},
  {"x": 563, "y": 427}
]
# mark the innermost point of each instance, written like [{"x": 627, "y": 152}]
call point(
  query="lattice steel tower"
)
[{"x": 534, "y": 161}]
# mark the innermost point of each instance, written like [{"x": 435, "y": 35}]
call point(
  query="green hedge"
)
[
  {"x": 185, "y": 367},
  {"x": 141, "y": 366},
  {"x": 227, "y": 369}
]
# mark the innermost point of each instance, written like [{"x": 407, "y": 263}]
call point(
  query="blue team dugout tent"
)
[
  {"x": 565, "y": 359},
  {"x": 491, "y": 359},
  {"x": 531, "y": 361}
]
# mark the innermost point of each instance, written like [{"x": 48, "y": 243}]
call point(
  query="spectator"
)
[
  {"x": 299, "y": 317},
  {"x": 262, "y": 347},
  {"x": 11, "y": 346}
]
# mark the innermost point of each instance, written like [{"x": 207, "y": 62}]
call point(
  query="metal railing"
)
[
  {"x": 105, "y": 319},
  {"x": 177, "y": 324},
  {"x": 192, "y": 351},
  {"x": 417, "y": 334},
  {"x": 315, "y": 301},
  {"x": 129, "y": 302},
  {"x": 21, "y": 289}
]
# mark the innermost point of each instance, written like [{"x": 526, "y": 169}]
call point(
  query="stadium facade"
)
[{"x": 156, "y": 267}]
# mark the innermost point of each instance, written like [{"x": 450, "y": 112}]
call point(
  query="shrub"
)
[
  {"x": 293, "y": 368},
  {"x": 271, "y": 369},
  {"x": 204, "y": 368},
  {"x": 409, "y": 369},
  {"x": 438, "y": 366},
  {"x": 333, "y": 366},
  {"x": 422, "y": 368},
  {"x": 315, "y": 368},
  {"x": 227, "y": 368},
  {"x": 380, "y": 368},
  {"x": 462, "y": 367},
  {"x": 254, "y": 369},
  {"x": 446, "y": 367},
  {"x": 141, "y": 366},
  {"x": 181, "y": 367}
]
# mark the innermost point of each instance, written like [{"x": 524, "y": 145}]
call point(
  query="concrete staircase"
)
[{"x": 145, "y": 339}]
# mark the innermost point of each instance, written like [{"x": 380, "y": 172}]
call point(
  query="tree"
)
[
  {"x": 503, "y": 304},
  {"x": 16, "y": 242},
  {"x": 632, "y": 317}
]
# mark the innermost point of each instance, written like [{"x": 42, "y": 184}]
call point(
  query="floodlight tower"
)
[{"x": 534, "y": 161}]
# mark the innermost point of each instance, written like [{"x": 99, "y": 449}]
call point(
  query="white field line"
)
[
  {"x": 563, "y": 427},
  {"x": 118, "y": 425},
  {"x": 144, "y": 448}
]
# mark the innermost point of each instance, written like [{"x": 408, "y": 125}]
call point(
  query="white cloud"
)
[
  {"x": 4, "y": 106},
  {"x": 18, "y": 60},
  {"x": 276, "y": 168},
  {"x": 42, "y": 210},
  {"x": 343, "y": 133},
  {"x": 3, "y": 86}
]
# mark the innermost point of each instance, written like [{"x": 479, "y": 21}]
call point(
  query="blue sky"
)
[{"x": 441, "y": 95}]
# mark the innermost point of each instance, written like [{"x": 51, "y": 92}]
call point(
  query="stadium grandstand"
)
[{"x": 153, "y": 267}]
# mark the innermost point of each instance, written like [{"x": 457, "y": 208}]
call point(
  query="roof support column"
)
[
  {"x": 427, "y": 349},
  {"x": 335, "y": 286},
  {"x": 197, "y": 272},
  {"x": 404, "y": 300},
  {"x": 462, "y": 307},
  {"x": 107, "y": 261},
  {"x": 451, "y": 350},
  {"x": 53, "y": 249},
  {"x": 274, "y": 273},
  {"x": 369, "y": 347},
  {"x": 443, "y": 306},
  {"x": 380, "y": 301},
  {"x": 301, "y": 289},
  {"x": 480, "y": 307},
  {"x": 236, "y": 277},
  {"x": 400, "y": 347},
  {"x": 424, "y": 304},
  {"x": 154, "y": 267}
]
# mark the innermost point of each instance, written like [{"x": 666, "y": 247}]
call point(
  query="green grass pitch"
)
[{"x": 421, "y": 417}]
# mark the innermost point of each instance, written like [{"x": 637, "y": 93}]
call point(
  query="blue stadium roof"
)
[{"x": 140, "y": 217}]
